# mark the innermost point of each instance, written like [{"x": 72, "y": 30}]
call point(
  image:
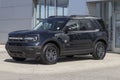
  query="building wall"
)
[
  {"x": 18, "y": 14},
  {"x": 80, "y": 7},
  {"x": 14, "y": 15},
  {"x": 77, "y": 7}
]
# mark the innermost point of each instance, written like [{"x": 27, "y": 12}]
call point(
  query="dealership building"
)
[{"x": 25, "y": 14}]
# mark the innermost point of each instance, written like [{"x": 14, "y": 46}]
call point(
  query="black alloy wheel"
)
[
  {"x": 49, "y": 54},
  {"x": 99, "y": 51}
]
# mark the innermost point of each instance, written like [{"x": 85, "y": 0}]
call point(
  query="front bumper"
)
[{"x": 23, "y": 51}]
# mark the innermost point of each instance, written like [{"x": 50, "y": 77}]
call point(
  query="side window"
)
[
  {"x": 102, "y": 24},
  {"x": 86, "y": 25},
  {"x": 73, "y": 25}
]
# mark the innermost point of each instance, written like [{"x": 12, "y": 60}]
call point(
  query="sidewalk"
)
[{"x": 2, "y": 48}]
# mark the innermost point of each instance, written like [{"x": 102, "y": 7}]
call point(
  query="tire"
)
[
  {"x": 70, "y": 56},
  {"x": 18, "y": 59},
  {"x": 99, "y": 51},
  {"x": 49, "y": 54}
]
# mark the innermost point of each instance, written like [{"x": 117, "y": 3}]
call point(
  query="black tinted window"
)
[
  {"x": 101, "y": 23},
  {"x": 73, "y": 25},
  {"x": 51, "y": 24},
  {"x": 86, "y": 25}
]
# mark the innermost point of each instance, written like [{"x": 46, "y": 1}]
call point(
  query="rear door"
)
[
  {"x": 86, "y": 34},
  {"x": 81, "y": 37}
]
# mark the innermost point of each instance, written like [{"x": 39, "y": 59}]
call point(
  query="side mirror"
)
[{"x": 66, "y": 30}]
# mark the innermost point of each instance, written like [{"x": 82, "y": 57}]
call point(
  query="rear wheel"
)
[
  {"x": 49, "y": 54},
  {"x": 99, "y": 51},
  {"x": 18, "y": 59}
]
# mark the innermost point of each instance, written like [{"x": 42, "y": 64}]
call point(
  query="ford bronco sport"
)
[{"x": 59, "y": 36}]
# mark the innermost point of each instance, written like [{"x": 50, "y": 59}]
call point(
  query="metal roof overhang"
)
[
  {"x": 60, "y": 3},
  {"x": 99, "y": 0}
]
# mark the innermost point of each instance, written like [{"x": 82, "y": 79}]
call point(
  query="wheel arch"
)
[
  {"x": 55, "y": 43},
  {"x": 102, "y": 40}
]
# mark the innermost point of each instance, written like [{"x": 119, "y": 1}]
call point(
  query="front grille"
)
[
  {"x": 15, "y": 44},
  {"x": 18, "y": 52},
  {"x": 16, "y": 38}
]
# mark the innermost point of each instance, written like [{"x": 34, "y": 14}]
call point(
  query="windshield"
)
[{"x": 50, "y": 24}]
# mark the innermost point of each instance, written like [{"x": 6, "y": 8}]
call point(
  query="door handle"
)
[{"x": 97, "y": 30}]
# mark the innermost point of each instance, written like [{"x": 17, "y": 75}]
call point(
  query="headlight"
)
[{"x": 31, "y": 38}]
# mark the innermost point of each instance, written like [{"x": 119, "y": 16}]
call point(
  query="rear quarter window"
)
[
  {"x": 102, "y": 24},
  {"x": 86, "y": 25}
]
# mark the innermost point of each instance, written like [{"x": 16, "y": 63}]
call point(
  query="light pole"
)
[
  {"x": 44, "y": 8},
  {"x": 55, "y": 7}
]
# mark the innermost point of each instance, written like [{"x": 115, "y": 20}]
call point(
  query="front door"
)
[
  {"x": 116, "y": 36},
  {"x": 72, "y": 33}
]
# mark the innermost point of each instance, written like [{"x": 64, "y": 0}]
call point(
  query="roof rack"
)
[
  {"x": 81, "y": 16},
  {"x": 51, "y": 16},
  {"x": 56, "y": 16},
  {"x": 85, "y": 16},
  {"x": 76, "y": 16}
]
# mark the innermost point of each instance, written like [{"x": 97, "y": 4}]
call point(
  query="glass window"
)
[
  {"x": 73, "y": 25},
  {"x": 60, "y": 13},
  {"x": 51, "y": 11},
  {"x": 50, "y": 24},
  {"x": 46, "y": 8},
  {"x": 102, "y": 24},
  {"x": 117, "y": 35},
  {"x": 86, "y": 25},
  {"x": 65, "y": 13},
  {"x": 117, "y": 5}
]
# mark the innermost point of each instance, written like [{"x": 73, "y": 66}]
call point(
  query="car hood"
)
[{"x": 28, "y": 32}]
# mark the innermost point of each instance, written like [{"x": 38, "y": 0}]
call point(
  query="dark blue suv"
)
[{"x": 59, "y": 36}]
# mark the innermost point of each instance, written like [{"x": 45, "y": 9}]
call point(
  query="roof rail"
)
[
  {"x": 57, "y": 16},
  {"x": 82, "y": 16},
  {"x": 51, "y": 16}
]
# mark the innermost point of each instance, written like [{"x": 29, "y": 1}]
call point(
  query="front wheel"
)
[
  {"x": 99, "y": 51},
  {"x": 49, "y": 54}
]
